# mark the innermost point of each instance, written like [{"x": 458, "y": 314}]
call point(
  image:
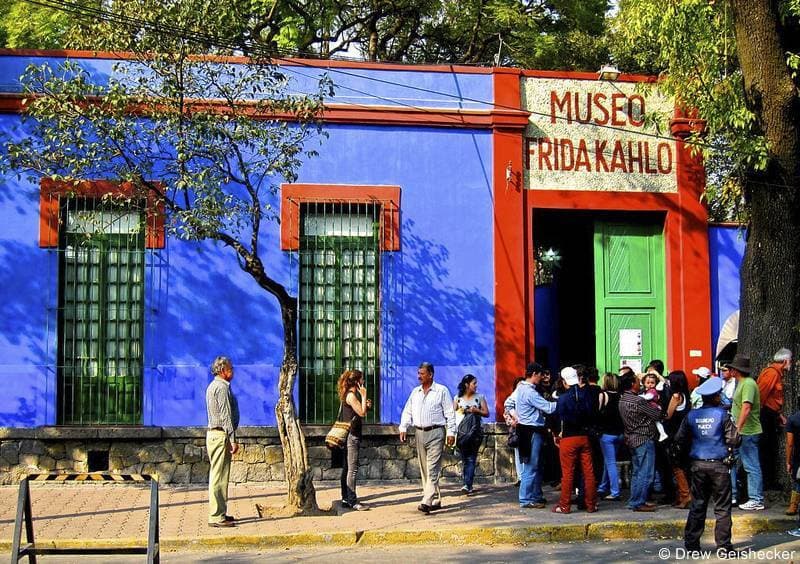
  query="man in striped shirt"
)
[
  {"x": 429, "y": 410},
  {"x": 223, "y": 419},
  {"x": 639, "y": 419}
]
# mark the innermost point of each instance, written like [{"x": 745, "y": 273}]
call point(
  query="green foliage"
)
[
  {"x": 532, "y": 33},
  {"x": 28, "y": 26},
  {"x": 563, "y": 34},
  {"x": 216, "y": 167},
  {"x": 544, "y": 34},
  {"x": 690, "y": 44}
]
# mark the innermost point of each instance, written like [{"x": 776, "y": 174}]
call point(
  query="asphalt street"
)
[{"x": 773, "y": 547}]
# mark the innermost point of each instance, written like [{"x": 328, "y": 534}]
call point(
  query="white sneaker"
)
[
  {"x": 794, "y": 532},
  {"x": 752, "y": 506}
]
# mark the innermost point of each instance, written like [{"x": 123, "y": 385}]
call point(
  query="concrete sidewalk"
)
[{"x": 92, "y": 514}]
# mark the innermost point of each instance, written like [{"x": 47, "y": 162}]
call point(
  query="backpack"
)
[{"x": 470, "y": 433}]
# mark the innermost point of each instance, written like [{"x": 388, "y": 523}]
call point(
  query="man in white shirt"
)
[
  {"x": 429, "y": 410},
  {"x": 728, "y": 386}
]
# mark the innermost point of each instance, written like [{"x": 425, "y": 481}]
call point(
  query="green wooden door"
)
[{"x": 630, "y": 318}]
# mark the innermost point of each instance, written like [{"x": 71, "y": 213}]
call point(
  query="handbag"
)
[
  {"x": 337, "y": 436},
  {"x": 513, "y": 437}
]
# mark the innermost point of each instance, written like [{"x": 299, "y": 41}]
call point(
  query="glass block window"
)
[
  {"x": 339, "y": 304},
  {"x": 101, "y": 310}
]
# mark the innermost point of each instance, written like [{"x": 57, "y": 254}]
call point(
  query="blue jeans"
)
[
  {"x": 610, "y": 445},
  {"x": 750, "y": 461},
  {"x": 530, "y": 487},
  {"x": 734, "y": 477},
  {"x": 468, "y": 461},
  {"x": 643, "y": 459}
]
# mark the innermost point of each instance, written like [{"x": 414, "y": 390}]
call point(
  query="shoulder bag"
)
[{"x": 337, "y": 436}]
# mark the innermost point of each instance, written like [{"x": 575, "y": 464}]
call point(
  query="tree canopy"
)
[
  {"x": 544, "y": 34},
  {"x": 24, "y": 25}
]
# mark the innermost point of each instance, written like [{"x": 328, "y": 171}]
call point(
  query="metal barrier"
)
[{"x": 30, "y": 549}]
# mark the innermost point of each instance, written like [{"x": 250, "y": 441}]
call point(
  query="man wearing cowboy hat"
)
[
  {"x": 711, "y": 436},
  {"x": 745, "y": 412}
]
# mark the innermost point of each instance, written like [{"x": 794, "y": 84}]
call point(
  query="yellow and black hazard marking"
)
[{"x": 91, "y": 477}]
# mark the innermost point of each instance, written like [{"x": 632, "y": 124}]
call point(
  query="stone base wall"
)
[{"x": 178, "y": 454}]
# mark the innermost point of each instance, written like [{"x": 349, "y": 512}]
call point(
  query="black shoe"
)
[
  {"x": 435, "y": 506},
  {"x": 230, "y": 518},
  {"x": 426, "y": 509},
  {"x": 222, "y": 524},
  {"x": 692, "y": 547}
]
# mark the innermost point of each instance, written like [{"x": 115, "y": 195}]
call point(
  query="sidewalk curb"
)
[{"x": 612, "y": 530}]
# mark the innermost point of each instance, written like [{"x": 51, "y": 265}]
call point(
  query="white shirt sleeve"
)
[
  {"x": 449, "y": 414},
  {"x": 406, "y": 419}
]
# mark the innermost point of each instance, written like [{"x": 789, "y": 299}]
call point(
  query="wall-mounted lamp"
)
[
  {"x": 608, "y": 72},
  {"x": 509, "y": 174}
]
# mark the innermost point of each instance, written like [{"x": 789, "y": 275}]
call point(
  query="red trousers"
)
[{"x": 571, "y": 450}]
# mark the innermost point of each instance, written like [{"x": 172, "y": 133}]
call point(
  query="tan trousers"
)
[
  {"x": 430, "y": 445},
  {"x": 219, "y": 455}
]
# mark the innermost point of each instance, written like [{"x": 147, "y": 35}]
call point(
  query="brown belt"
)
[{"x": 217, "y": 429}]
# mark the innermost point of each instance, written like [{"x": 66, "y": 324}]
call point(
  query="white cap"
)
[
  {"x": 569, "y": 375},
  {"x": 702, "y": 372}
]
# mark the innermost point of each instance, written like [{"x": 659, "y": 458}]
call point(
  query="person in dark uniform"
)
[{"x": 710, "y": 435}]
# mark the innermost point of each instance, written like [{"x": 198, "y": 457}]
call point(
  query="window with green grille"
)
[
  {"x": 101, "y": 310},
  {"x": 339, "y": 304}
]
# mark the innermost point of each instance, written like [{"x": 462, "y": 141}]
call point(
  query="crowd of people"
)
[{"x": 588, "y": 423}]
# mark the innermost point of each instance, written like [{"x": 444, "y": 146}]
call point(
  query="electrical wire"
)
[{"x": 214, "y": 40}]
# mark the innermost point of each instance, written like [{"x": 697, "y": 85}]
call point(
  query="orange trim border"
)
[
  {"x": 292, "y": 195},
  {"x": 361, "y": 114},
  {"x": 278, "y": 61},
  {"x": 51, "y": 190},
  {"x": 512, "y": 292}
]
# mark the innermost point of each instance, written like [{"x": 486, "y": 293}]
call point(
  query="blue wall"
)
[
  {"x": 437, "y": 291},
  {"x": 726, "y": 250}
]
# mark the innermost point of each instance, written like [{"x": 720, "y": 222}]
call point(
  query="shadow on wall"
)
[
  {"x": 28, "y": 398},
  {"x": 435, "y": 321},
  {"x": 30, "y": 277},
  {"x": 213, "y": 308}
]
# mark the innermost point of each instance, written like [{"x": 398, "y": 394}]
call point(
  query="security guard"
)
[{"x": 710, "y": 434}]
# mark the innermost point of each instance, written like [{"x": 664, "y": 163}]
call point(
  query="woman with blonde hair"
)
[{"x": 353, "y": 395}]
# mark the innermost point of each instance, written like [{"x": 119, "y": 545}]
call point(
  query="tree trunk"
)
[
  {"x": 770, "y": 291},
  {"x": 301, "y": 494}
]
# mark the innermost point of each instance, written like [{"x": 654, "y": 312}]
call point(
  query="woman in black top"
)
[
  {"x": 611, "y": 438},
  {"x": 679, "y": 405},
  {"x": 353, "y": 395}
]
